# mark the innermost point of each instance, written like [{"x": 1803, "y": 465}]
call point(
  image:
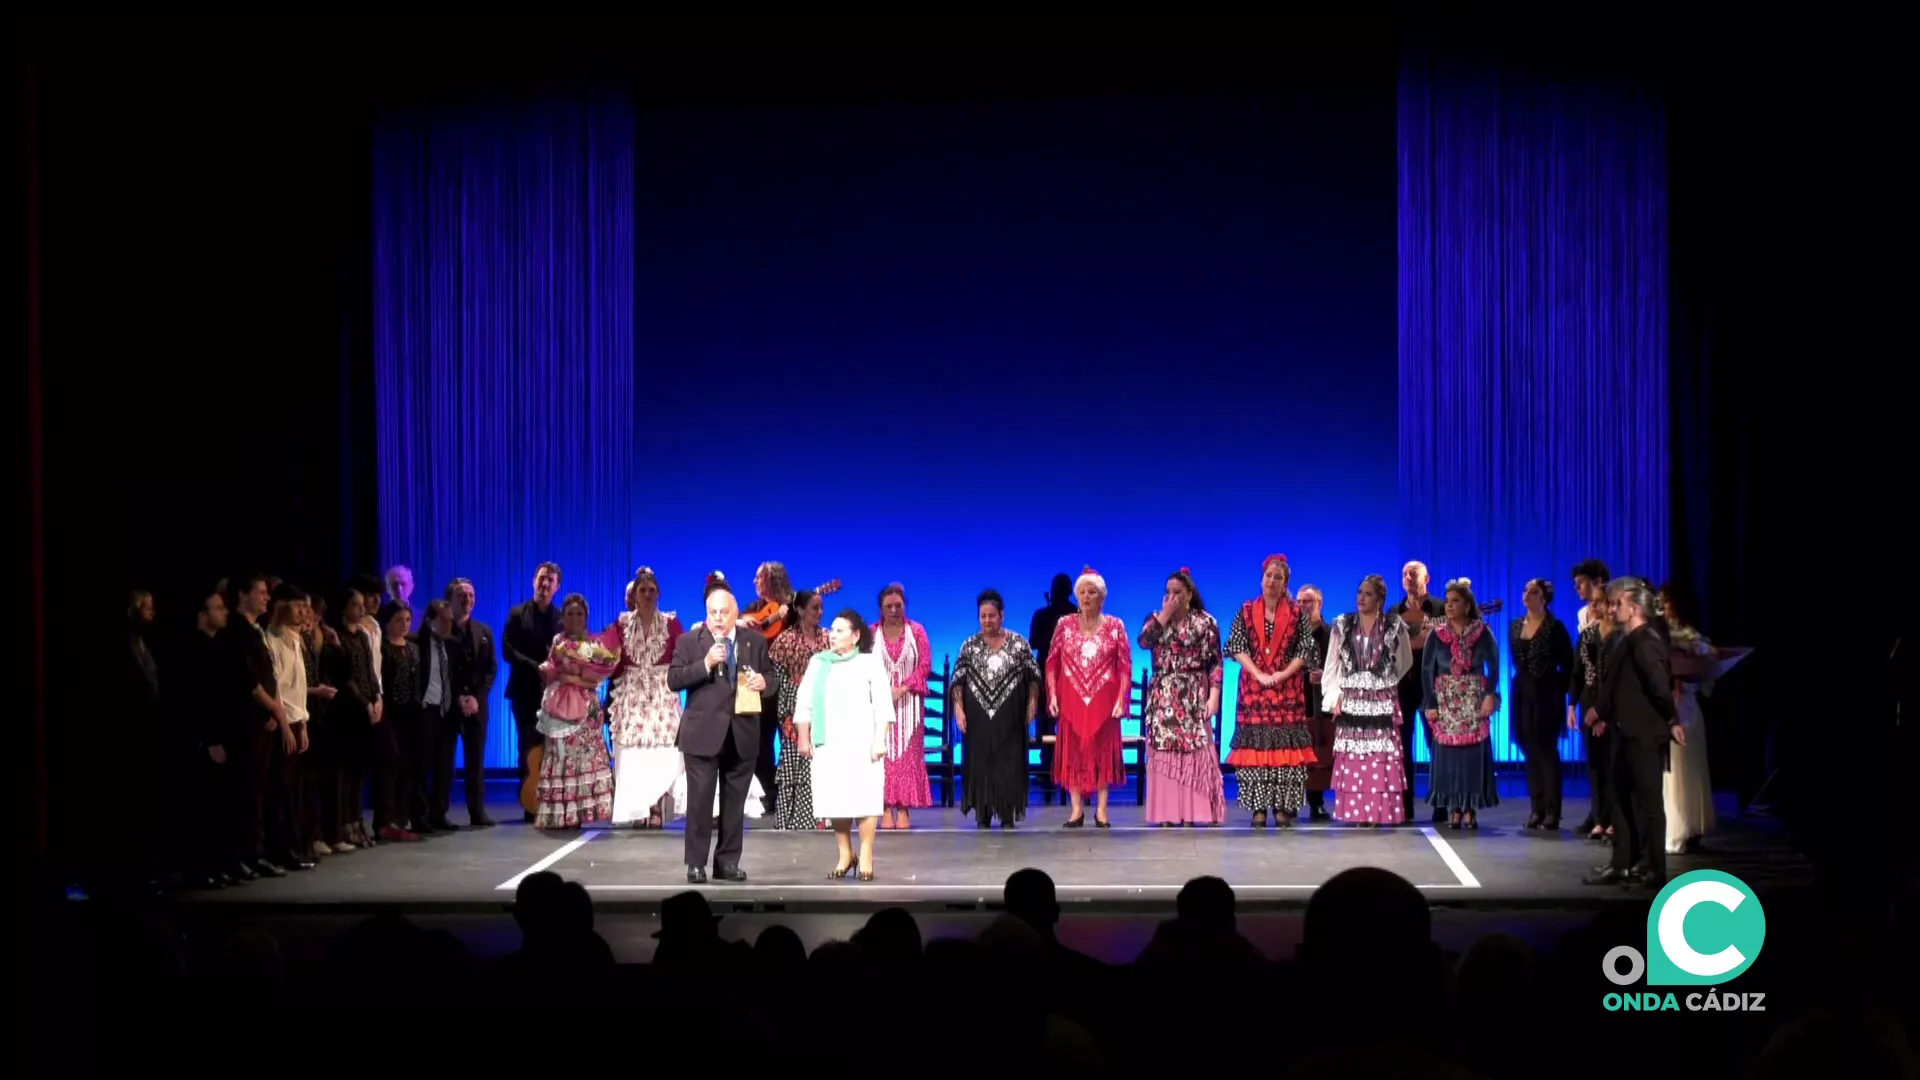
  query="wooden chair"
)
[
  {"x": 1134, "y": 744},
  {"x": 936, "y": 735}
]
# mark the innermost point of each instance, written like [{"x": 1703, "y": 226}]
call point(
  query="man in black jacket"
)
[
  {"x": 525, "y": 642},
  {"x": 473, "y": 664},
  {"x": 256, "y": 734},
  {"x": 1636, "y": 701}
]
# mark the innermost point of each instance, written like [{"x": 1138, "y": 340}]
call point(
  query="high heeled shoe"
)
[
  {"x": 1077, "y": 823},
  {"x": 839, "y": 872},
  {"x": 864, "y": 875}
]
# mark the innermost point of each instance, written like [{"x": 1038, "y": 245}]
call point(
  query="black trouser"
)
[
  {"x": 1540, "y": 742},
  {"x": 764, "y": 765},
  {"x": 731, "y": 773},
  {"x": 1045, "y": 724},
  {"x": 1640, "y": 835},
  {"x": 348, "y": 749},
  {"x": 413, "y": 731},
  {"x": 320, "y": 779},
  {"x": 526, "y": 736},
  {"x": 383, "y": 772},
  {"x": 303, "y": 800},
  {"x": 471, "y": 730},
  {"x": 1600, "y": 752},
  {"x": 526, "y": 729},
  {"x": 223, "y": 794},
  {"x": 1411, "y": 694},
  {"x": 269, "y": 800}
]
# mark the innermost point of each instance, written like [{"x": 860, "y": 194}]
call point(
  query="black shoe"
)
[
  {"x": 1607, "y": 875},
  {"x": 479, "y": 820},
  {"x": 696, "y": 876},
  {"x": 729, "y": 873},
  {"x": 243, "y": 873},
  {"x": 267, "y": 869},
  {"x": 441, "y": 824}
]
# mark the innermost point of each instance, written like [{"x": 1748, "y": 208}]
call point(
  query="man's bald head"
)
[{"x": 722, "y": 611}]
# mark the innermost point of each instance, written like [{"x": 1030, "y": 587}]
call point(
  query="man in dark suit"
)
[
  {"x": 525, "y": 642},
  {"x": 441, "y": 719},
  {"x": 1636, "y": 701},
  {"x": 720, "y": 744},
  {"x": 473, "y": 664}
]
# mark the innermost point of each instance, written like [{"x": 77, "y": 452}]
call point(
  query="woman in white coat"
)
[{"x": 841, "y": 718}]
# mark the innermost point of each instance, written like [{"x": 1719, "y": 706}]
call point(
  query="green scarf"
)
[{"x": 823, "y": 667}]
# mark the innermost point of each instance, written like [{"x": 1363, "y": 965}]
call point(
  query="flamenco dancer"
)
[
  {"x": 1367, "y": 654},
  {"x": 576, "y": 782},
  {"x": 1272, "y": 745},
  {"x": 1459, "y": 678},
  {"x": 1089, "y": 679},
  {"x": 1185, "y": 787}
]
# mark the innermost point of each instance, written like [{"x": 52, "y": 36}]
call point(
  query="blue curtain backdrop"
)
[
  {"x": 503, "y": 352},
  {"x": 1533, "y": 328}
]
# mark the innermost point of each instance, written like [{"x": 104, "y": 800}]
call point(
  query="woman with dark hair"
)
[
  {"x": 841, "y": 721},
  {"x": 324, "y": 660},
  {"x": 406, "y": 739},
  {"x": 1688, "y": 787},
  {"x": 996, "y": 691},
  {"x": 908, "y": 656},
  {"x": 644, "y": 712},
  {"x": 793, "y": 650},
  {"x": 576, "y": 781},
  {"x": 359, "y": 709},
  {"x": 1460, "y": 691},
  {"x": 1542, "y": 658},
  {"x": 1184, "y": 786},
  {"x": 1583, "y": 685}
]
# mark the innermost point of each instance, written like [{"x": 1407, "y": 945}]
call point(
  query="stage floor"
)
[{"x": 944, "y": 863}]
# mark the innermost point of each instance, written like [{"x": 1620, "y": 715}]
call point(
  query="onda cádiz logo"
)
[{"x": 1704, "y": 929}]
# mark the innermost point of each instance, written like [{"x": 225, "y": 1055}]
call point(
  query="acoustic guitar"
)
[
  {"x": 753, "y": 617},
  {"x": 530, "y": 788}
]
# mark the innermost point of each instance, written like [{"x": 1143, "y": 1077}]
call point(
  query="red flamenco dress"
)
[
  {"x": 1272, "y": 742},
  {"x": 1090, "y": 674}
]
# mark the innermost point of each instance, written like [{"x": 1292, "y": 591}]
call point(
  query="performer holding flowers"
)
[{"x": 576, "y": 782}]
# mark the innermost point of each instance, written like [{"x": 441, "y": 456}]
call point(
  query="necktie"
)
[{"x": 730, "y": 675}]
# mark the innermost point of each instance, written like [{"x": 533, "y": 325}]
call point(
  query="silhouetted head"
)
[
  {"x": 1206, "y": 904},
  {"x": 1030, "y": 897},
  {"x": 1367, "y": 918}
]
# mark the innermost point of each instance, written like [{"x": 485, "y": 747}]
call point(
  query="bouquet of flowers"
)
[
  {"x": 1691, "y": 655},
  {"x": 574, "y": 670}
]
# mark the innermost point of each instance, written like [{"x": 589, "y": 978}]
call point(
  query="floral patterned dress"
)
[
  {"x": 909, "y": 663},
  {"x": 576, "y": 781},
  {"x": 645, "y": 717},
  {"x": 793, "y": 808},
  {"x": 1184, "y": 785},
  {"x": 1461, "y": 667}
]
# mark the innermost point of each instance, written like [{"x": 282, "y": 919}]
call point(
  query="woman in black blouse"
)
[
  {"x": 1542, "y": 653},
  {"x": 1589, "y": 656}
]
